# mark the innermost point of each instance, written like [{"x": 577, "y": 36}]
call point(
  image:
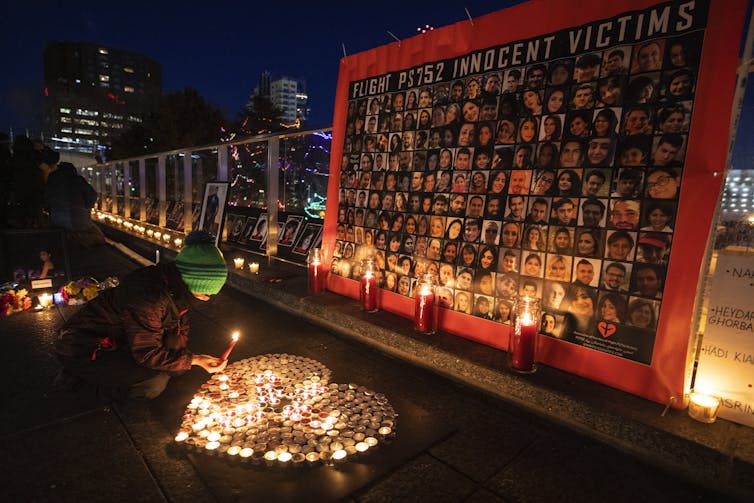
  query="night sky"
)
[{"x": 219, "y": 48}]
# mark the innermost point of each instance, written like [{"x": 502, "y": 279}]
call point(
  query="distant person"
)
[
  {"x": 70, "y": 199},
  {"x": 28, "y": 182}
]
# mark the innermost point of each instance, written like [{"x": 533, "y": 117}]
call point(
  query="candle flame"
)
[{"x": 235, "y": 336}]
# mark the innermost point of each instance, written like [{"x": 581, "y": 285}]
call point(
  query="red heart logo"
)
[{"x": 606, "y": 329}]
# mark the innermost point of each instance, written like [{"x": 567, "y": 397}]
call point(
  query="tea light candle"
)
[
  {"x": 703, "y": 407},
  {"x": 178, "y": 242},
  {"x": 166, "y": 238},
  {"x": 254, "y": 267},
  {"x": 157, "y": 235},
  {"x": 238, "y": 262},
  {"x": 150, "y": 232},
  {"x": 45, "y": 300}
]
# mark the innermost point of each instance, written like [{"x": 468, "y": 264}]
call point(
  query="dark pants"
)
[{"x": 115, "y": 374}]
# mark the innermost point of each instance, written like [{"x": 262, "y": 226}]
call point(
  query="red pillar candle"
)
[
  {"x": 232, "y": 344},
  {"x": 425, "y": 309},
  {"x": 522, "y": 356},
  {"x": 316, "y": 277},
  {"x": 317, "y": 273},
  {"x": 523, "y": 339},
  {"x": 369, "y": 292}
]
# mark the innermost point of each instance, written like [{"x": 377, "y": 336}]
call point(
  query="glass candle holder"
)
[
  {"x": 703, "y": 407},
  {"x": 368, "y": 286},
  {"x": 254, "y": 268},
  {"x": 317, "y": 275},
  {"x": 238, "y": 262},
  {"x": 425, "y": 306},
  {"x": 522, "y": 342},
  {"x": 45, "y": 300}
]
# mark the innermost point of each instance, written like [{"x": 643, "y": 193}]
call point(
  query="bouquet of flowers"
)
[
  {"x": 13, "y": 299},
  {"x": 83, "y": 290}
]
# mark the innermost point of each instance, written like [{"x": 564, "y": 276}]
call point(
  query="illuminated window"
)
[
  {"x": 102, "y": 50},
  {"x": 84, "y": 131},
  {"x": 104, "y": 78},
  {"x": 65, "y": 110},
  {"x": 66, "y": 130},
  {"x": 87, "y": 113},
  {"x": 128, "y": 69},
  {"x": 66, "y": 120},
  {"x": 128, "y": 89}
]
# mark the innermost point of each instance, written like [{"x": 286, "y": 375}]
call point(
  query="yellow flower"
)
[
  {"x": 71, "y": 289},
  {"x": 90, "y": 292}
]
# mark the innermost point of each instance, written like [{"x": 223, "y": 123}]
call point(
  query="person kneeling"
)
[{"x": 131, "y": 339}]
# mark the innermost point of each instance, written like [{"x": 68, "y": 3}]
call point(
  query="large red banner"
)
[{"x": 569, "y": 154}]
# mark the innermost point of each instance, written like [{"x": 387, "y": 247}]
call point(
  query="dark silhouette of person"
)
[
  {"x": 70, "y": 199},
  {"x": 28, "y": 181}
]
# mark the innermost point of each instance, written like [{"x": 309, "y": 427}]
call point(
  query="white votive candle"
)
[{"x": 703, "y": 407}]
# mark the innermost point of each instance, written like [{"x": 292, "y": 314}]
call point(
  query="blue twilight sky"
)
[{"x": 220, "y": 48}]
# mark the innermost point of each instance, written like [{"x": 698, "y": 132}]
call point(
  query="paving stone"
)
[
  {"x": 423, "y": 479},
  {"x": 86, "y": 458},
  {"x": 563, "y": 467}
]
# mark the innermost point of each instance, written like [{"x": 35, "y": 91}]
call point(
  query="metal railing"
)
[{"x": 276, "y": 173}]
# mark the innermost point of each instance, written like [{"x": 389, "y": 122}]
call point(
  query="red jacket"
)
[{"x": 145, "y": 314}]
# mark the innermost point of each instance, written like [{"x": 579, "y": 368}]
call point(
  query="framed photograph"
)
[
  {"x": 35, "y": 258},
  {"x": 260, "y": 229},
  {"x": 213, "y": 208},
  {"x": 307, "y": 239},
  {"x": 248, "y": 229},
  {"x": 234, "y": 225},
  {"x": 290, "y": 230}
]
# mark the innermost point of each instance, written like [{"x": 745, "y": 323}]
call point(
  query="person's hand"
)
[{"x": 209, "y": 363}]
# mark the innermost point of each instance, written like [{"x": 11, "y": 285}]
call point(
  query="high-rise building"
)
[
  {"x": 287, "y": 93},
  {"x": 94, "y": 93}
]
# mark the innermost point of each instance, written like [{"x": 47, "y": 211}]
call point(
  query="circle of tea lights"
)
[{"x": 282, "y": 410}]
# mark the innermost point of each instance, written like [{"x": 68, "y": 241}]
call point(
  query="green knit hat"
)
[{"x": 201, "y": 264}]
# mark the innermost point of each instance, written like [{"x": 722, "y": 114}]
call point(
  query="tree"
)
[
  {"x": 259, "y": 116},
  {"x": 177, "y": 120}
]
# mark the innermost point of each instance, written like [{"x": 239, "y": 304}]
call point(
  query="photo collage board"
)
[{"x": 557, "y": 178}]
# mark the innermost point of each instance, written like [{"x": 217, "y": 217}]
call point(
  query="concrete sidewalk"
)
[{"x": 453, "y": 442}]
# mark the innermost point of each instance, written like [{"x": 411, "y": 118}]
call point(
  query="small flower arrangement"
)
[
  {"x": 80, "y": 291},
  {"x": 13, "y": 299},
  {"x": 83, "y": 290}
]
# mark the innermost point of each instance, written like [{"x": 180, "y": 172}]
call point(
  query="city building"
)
[
  {"x": 93, "y": 93},
  {"x": 287, "y": 93},
  {"x": 738, "y": 194}
]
